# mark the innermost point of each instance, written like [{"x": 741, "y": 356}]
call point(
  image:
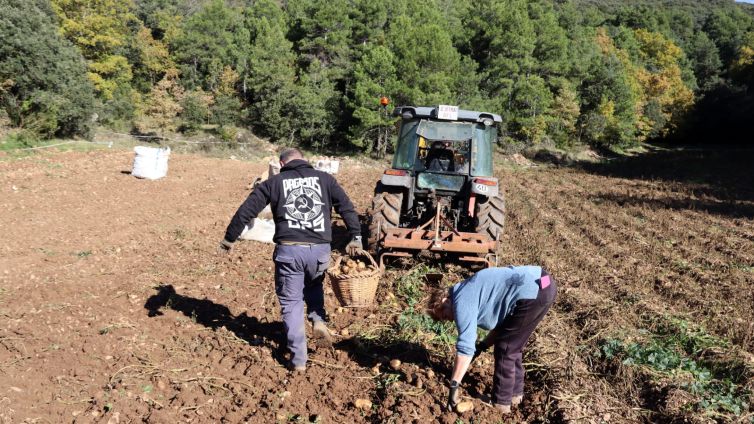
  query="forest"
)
[{"x": 310, "y": 73}]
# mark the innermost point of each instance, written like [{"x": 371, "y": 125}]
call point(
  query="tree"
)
[
  {"x": 163, "y": 105},
  {"x": 742, "y": 68},
  {"x": 39, "y": 71},
  {"x": 427, "y": 65},
  {"x": 272, "y": 72},
  {"x": 195, "y": 110},
  {"x": 565, "y": 113},
  {"x": 611, "y": 97},
  {"x": 100, "y": 29},
  {"x": 313, "y": 118},
  {"x": 150, "y": 59},
  {"x": 211, "y": 39},
  {"x": 322, "y": 33},
  {"x": 374, "y": 77},
  {"x": 705, "y": 59}
]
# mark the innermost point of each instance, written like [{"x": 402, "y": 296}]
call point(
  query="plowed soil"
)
[{"x": 115, "y": 308}]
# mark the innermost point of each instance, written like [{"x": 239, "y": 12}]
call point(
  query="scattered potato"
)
[
  {"x": 363, "y": 404},
  {"x": 395, "y": 364},
  {"x": 464, "y": 406}
]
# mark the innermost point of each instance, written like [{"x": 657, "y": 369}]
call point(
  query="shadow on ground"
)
[
  {"x": 213, "y": 315},
  {"x": 718, "y": 181}
]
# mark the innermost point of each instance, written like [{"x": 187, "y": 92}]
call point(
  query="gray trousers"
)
[{"x": 299, "y": 272}]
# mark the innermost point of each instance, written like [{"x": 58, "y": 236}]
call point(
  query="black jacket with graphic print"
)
[{"x": 301, "y": 199}]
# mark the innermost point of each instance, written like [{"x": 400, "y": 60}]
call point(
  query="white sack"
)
[
  {"x": 263, "y": 230},
  {"x": 327, "y": 165},
  {"x": 150, "y": 162}
]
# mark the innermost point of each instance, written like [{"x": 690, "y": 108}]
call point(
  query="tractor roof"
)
[{"x": 431, "y": 112}]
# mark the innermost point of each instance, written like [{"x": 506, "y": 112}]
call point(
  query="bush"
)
[
  {"x": 19, "y": 140},
  {"x": 226, "y": 111},
  {"x": 195, "y": 112},
  {"x": 43, "y": 83}
]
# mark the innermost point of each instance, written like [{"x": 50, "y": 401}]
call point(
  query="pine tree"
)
[
  {"x": 211, "y": 39},
  {"x": 374, "y": 77},
  {"x": 272, "y": 72}
]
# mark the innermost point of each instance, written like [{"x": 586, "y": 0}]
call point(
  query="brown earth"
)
[{"x": 115, "y": 308}]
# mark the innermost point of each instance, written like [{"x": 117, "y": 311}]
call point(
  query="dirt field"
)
[{"x": 114, "y": 307}]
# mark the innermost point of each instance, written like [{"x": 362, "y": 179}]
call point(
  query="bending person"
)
[{"x": 510, "y": 302}]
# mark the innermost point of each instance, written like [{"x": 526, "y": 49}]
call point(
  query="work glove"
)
[
  {"x": 454, "y": 395},
  {"x": 355, "y": 246},
  {"x": 480, "y": 348},
  {"x": 224, "y": 247}
]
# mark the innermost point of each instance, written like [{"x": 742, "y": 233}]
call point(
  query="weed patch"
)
[
  {"x": 675, "y": 353},
  {"x": 412, "y": 326}
]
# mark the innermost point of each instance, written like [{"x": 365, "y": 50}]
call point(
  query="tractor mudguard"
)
[
  {"x": 397, "y": 180},
  {"x": 486, "y": 186}
]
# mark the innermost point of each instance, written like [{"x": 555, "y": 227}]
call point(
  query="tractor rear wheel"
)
[
  {"x": 386, "y": 213},
  {"x": 491, "y": 216}
]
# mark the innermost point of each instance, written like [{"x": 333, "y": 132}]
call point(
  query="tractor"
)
[{"x": 440, "y": 195}]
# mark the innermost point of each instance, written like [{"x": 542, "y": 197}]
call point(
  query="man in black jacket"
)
[{"x": 301, "y": 199}]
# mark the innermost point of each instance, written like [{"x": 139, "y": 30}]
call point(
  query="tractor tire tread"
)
[
  {"x": 386, "y": 213},
  {"x": 491, "y": 217}
]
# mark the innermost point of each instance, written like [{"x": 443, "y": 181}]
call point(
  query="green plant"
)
[
  {"x": 410, "y": 286},
  {"x": 20, "y": 140},
  {"x": 674, "y": 352},
  {"x": 83, "y": 253},
  {"x": 415, "y": 326}
]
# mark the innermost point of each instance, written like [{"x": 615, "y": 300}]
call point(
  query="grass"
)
[{"x": 675, "y": 352}]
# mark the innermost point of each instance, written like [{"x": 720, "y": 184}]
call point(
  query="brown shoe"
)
[
  {"x": 319, "y": 328},
  {"x": 505, "y": 409},
  {"x": 516, "y": 400}
]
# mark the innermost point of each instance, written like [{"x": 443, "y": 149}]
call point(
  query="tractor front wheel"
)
[
  {"x": 491, "y": 216},
  {"x": 386, "y": 213}
]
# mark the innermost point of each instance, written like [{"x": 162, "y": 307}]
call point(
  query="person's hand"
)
[
  {"x": 480, "y": 348},
  {"x": 224, "y": 247},
  {"x": 355, "y": 246},
  {"x": 454, "y": 395}
]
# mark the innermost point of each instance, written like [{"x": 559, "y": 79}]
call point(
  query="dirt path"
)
[{"x": 114, "y": 307}]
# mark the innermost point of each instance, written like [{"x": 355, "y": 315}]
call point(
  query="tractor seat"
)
[{"x": 440, "y": 158}]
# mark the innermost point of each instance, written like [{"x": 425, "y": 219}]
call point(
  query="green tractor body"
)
[{"x": 440, "y": 194}]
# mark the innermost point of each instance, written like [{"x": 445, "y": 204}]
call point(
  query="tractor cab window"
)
[
  {"x": 444, "y": 146},
  {"x": 405, "y": 152},
  {"x": 481, "y": 155},
  {"x": 444, "y": 156}
]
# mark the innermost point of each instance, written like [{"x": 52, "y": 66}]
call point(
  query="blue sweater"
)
[{"x": 485, "y": 299}]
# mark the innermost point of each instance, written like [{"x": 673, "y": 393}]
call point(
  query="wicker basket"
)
[{"x": 358, "y": 289}]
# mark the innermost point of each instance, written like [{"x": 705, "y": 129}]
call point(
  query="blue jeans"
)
[{"x": 299, "y": 272}]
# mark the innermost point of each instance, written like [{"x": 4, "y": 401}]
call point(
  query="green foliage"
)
[
  {"x": 100, "y": 29},
  {"x": 43, "y": 87},
  {"x": 226, "y": 111},
  {"x": 23, "y": 139},
  {"x": 374, "y": 77},
  {"x": 418, "y": 327},
  {"x": 413, "y": 324},
  {"x": 210, "y": 40},
  {"x": 311, "y": 72},
  {"x": 195, "y": 111},
  {"x": 271, "y": 80},
  {"x": 410, "y": 286},
  {"x": 676, "y": 352}
]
